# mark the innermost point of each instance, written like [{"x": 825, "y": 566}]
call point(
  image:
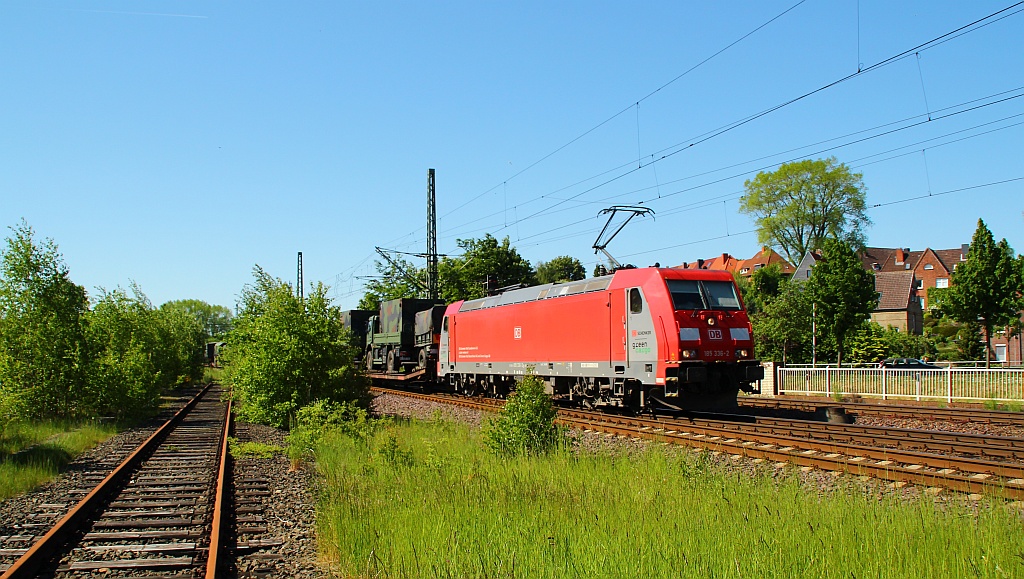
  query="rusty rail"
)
[
  {"x": 44, "y": 549},
  {"x": 217, "y": 550}
]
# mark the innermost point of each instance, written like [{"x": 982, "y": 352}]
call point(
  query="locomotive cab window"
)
[
  {"x": 685, "y": 294},
  {"x": 444, "y": 324},
  {"x": 703, "y": 295},
  {"x": 721, "y": 295},
  {"x": 636, "y": 301}
]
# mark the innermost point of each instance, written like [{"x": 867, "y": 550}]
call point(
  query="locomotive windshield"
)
[{"x": 703, "y": 295}]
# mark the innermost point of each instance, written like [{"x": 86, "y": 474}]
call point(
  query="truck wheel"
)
[
  {"x": 392, "y": 362},
  {"x": 369, "y": 361},
  {"x": 422, "y": 359}
]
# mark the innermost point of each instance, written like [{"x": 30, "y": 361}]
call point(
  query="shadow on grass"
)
[{"x": 49, "y": 456}]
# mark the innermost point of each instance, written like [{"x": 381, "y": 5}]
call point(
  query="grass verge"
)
[
  {"x": 34, "y": 453},
  {"x": 425, "y": 499}
]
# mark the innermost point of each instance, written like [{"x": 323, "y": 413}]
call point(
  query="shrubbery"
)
[
  {"x": 286, "y": 352},
  {"x": 526, "y": 424},
  {"x": 60, "y": 359},
  {"x": 318, "y": 418}
]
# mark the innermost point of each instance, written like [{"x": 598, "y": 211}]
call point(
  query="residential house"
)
[
  {"x": 744, "y": 267},
  {"x": 897, "y": 302},
  {"x": 764, "y": 258},
  {"x": 932, "y": 267}
]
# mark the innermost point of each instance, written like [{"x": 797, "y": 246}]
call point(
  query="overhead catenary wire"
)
[
  {"x": 682, "y": 146},
  {"x": 678, "y": 148},
  {"x": 977, "y": 24}
]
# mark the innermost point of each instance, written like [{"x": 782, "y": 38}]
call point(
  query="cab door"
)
[
  {"x": 641, "y": 340},
  {"x": 442, "y": 348}
]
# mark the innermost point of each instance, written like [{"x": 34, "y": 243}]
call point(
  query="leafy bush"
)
[
  {"x": 43, "y": 350},
  {"x": 313, "y": 421},
  {"x": 286, "y": 352},
  {"x": 526, "y": 424},
  {"x": 59, "y": 359},
  {"x": 394, "y": 454}
]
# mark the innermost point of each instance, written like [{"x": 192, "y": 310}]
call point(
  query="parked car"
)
[{"x": 908, "y": 364}]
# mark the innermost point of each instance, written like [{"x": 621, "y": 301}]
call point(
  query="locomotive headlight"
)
[
  {"x": 742, "y": 353},
  {"x": 711, "y": 321},
  {"x": 688, "y": 354}
]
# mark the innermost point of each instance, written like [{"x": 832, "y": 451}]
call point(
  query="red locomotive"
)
[{"x": 639, "y": 337}]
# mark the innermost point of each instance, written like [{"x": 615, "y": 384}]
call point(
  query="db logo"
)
[
  {"x": 714, "y": 334},
  {"x": 518, "y": 333}
]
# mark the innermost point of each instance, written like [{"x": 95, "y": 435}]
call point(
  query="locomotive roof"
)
[{"x": 633, "y": 276}]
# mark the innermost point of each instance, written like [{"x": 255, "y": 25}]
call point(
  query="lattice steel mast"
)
[{"x": 432, "y": 285}]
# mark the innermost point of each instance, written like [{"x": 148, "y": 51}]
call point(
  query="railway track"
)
[
  {"x": 965, "y": 463},
  {"x": 163, "y": 511},
  {"x": 953, "y": 414}
]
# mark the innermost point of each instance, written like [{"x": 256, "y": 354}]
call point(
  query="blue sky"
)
[{"x": 179, "y": 143}]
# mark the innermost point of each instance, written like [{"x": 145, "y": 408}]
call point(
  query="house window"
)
[
  {"x": 808, "y": 273},
  {"x": 942, "y": 282},
  {"x": 744, "y": 270},
  {"x": 1000, "y": 352},
  {"x": 920, "y": 283},
  {"x": 929, "y": 266},
  {"x": 920, "y": 301}
]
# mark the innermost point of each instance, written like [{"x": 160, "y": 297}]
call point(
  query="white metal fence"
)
[{"x": 949, "y": 384}]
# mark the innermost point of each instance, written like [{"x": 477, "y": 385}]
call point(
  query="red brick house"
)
[{"x": 932, "y": 267}]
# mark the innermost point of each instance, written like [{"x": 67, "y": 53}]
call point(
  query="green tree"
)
[
  {"x": 985, "y": 288},
  {"x": 285, "y": 352},
  {"x": 969, "y": 343},
  {"x": 125, "y": 379},
  {"x": 782, "y": 324},
  {"x": 801, "y": 204},
  {"x": 214, "y": 320},
  {"x": 181, "y": 339},
  {"x": 44, "y": 355},
  {"x": 561, "y": 268},
  {"x": 464, "y": 278},
  {"x": 526, "y": 423},
  {"x": 761, "y": 287},
  {"x": 394, "y": 280},
  {"x": 842, "y": 292}
]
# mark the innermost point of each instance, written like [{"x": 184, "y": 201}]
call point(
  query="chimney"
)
[
  {"x": 900, "y": 256},
  {"x": 700, "y": 263},
  {"x": 963, "y": 251}
]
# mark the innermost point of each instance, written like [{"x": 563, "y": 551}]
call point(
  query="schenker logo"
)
[{"x": 638, "y": 333}]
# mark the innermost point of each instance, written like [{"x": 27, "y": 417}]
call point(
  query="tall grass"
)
[
  {"x": 425, "y": 500},
  {"x": 33, "y": 453}
]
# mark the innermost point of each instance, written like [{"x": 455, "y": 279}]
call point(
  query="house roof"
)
[
  {"x": 949, "y": 257},
  {"x": 894, "y": 289},
  {"x": 764, "y": 258}
]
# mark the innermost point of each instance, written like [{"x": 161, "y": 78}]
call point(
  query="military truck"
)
[
  {"x": 397, "y": 340},
  {"x": 355, "y": 322}
]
